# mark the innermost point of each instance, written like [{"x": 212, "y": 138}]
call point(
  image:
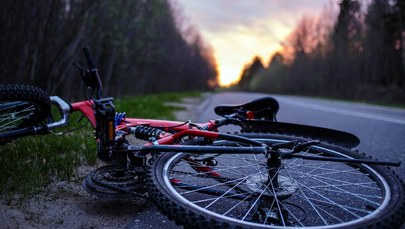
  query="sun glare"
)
[
  {"x": 231, "y": 64},
  {"x": 238, "y": 34},
  {"x": 228, "y": 75},
  {"x": 236, "y": 48}
]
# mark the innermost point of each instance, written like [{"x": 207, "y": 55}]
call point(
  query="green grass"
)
[
  {"x": 152, "y": 106},
  {"x": 28, "y": 164}
]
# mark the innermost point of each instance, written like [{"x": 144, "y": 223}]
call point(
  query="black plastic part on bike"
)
[
  {"x": 330, "y": 136},
  {"x": 91, "y": 74},
  {"x": 256, "y": 148},
  {"x": 204, "y": 149},
  {"x": 22, "y": 132},
  {"x": 105, "y": 182},
  {"x": 105, "y": 119},
  {"x": 263, "y": 108},
  {"x": 146, "y": 132}
]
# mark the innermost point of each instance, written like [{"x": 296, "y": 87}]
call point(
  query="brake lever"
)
[
  {"x": 81, "y": 69},
  {"x": 85, "y": 74}
]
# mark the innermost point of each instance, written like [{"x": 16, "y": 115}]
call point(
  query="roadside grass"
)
[{"x": 29, "y": 164}]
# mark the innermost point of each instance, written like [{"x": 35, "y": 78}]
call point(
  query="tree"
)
[
  {"x": 136, "y": 44},
  {"x": 399, "y": 12},
  {"x": 249, "y": 71},
  {"x": 374, "y": 42},
  {"x": 272, "y": 78},
  {"x": 383, "y": 45}
]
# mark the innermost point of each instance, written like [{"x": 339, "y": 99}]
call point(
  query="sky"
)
[{"x": 239, "y": 30}]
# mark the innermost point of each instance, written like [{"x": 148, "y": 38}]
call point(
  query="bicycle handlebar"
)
[
  {"x": 89, "y": 58},
  {"x": 64, "y": 110},
  {"x": 92, "y": 71}
]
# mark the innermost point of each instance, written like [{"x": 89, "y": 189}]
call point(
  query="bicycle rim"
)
[{"x": 309, "y": 193}]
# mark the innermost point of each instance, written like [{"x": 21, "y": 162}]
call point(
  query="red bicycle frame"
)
[{"x": 181, "y": 129}]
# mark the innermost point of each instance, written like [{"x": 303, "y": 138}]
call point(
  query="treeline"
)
[
  {"x": 354, "y": 54},
  {"x": 137, "y": 45}
]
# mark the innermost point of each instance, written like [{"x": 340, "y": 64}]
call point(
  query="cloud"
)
[
  {"x": 220, "y": 15},
  {"x": 240, "y": 29}
]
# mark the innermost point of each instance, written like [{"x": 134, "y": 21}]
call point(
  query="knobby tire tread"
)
[
  {"x": 29, "y": 93},
  {"x": 391, "y": 217},
  {"x": 182, "y": 216}
]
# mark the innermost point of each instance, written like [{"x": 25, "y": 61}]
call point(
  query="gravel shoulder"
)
[{"x": 66, "y": 205}]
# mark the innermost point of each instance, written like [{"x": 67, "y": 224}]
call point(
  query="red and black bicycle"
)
[{"x": 271, "y": 175}]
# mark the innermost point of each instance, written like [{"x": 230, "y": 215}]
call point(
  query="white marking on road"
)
[{"x": 345, "y": 112}]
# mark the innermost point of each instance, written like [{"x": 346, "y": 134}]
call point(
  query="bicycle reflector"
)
[{"x": 250, "y": 115}]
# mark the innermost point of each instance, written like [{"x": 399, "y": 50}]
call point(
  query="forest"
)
[
  {"x": 139, "y": 46},
  {"x": 355, "y": 53}
]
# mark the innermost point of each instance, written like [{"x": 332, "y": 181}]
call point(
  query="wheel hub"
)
[{"x": 259, "y": 183}]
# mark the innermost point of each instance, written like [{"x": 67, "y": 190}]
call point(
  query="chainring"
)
[{"x": 104, "y": 182}]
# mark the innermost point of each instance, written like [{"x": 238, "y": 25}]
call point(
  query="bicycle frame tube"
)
[
  {"x": 163, "y": 124},
  {"x": 177, "y": 130},
  {"x": 86, "y": 108}
]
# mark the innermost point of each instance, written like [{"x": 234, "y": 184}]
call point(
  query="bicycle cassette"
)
[{"x": 104, "y": 182}]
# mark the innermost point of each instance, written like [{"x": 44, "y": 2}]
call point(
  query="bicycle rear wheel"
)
[
  {"x": 22, "y": 106},
  {"x": 235, "y": 190}
]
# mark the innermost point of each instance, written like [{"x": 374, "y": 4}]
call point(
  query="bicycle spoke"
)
[
  {"x": 232, "y": 188},
  {"x": 231, "y": 170},
  {"x": 222, "y": 183},
  {"x": 307, "y": 199},
  {"x": 345, "y": 206},
  {"x": 359, "y": 194},
  {"x": 292, "y": 214},
  {"x": 333, "y": 203},
  {"x": 346, "y": 192},
  {"x": 343, "y": 182},
  {"x": 306, "y": 194},
  {"x": 276, "y": 198},
  {"x": 9, "y": 118},
  {"x": 255, "y": 202}
]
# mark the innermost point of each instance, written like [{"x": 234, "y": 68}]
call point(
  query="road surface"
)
[
  {"x": 380, "y": 129},
  {"x": 67, "y": 205}
]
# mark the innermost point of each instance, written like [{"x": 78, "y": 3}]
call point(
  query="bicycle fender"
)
[{"x": 332, "y": 136}]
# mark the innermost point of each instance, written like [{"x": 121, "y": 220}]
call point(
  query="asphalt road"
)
[{"x": 380, "y": 129}]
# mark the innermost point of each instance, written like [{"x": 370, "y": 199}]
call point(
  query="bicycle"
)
[{"x": 270, "y": 175}]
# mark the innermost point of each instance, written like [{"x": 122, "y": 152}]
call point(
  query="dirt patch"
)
[{"x": 66, "y": 205}]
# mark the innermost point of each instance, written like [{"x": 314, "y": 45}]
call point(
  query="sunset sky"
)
[{"x": 238, "y": 30}]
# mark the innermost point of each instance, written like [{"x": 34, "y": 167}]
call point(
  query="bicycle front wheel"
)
[
  {"x": 21, "y": 106},
  {"x": 238, "y": 190}
]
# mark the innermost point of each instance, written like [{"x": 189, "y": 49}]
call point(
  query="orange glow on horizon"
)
[
  {"x": 226, "y": 75},
  {"x": 229, "y": 72},
  {"x": 245, "y": 29}
]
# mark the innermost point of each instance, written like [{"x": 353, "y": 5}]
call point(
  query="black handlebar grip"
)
[{"x": 89, "y": 57}]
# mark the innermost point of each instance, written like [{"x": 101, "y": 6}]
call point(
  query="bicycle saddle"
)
[{"x": 264, "y": 108}]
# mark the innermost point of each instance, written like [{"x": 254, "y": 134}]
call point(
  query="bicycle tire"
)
[
  {"x": 185, "y": 195},
  {"x": 21, "y": 106}
]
